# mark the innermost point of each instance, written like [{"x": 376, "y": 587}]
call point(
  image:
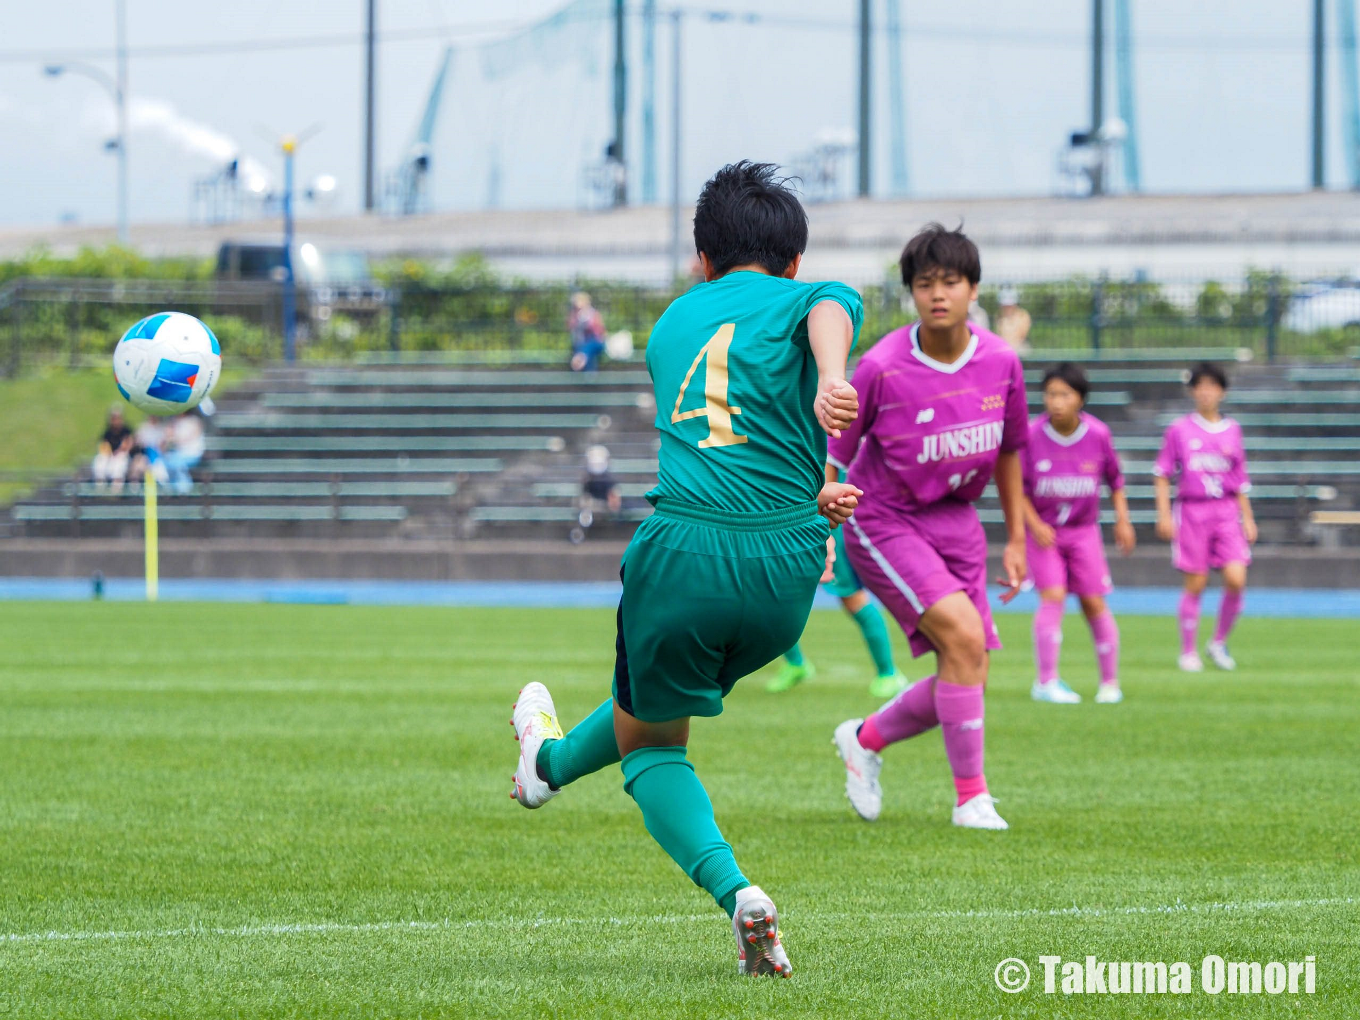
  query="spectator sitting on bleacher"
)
[
  {"x": 185, "y": 448},
  {"x": 586, "y": 326},
  {"x": 110, "y": 465},
  {"x": 1012, "y": 321},
  {"x": 600, "y": 484},
  {"x": 148, "y": 442}
]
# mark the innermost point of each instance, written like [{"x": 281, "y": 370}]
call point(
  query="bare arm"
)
[
  {"x": 1248, "y": 517},
  {"x": 1124, "y": 536},
  {"x": 1165, "y": 529},
  {"x": 1041, "y": 533},
  {"x": 830, "y": 336},
  {"x": 1010, "y": 487}
]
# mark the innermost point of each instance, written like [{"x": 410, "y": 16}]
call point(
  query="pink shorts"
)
[
  {"x": 910, "y": 562},
  {"x": 1075, "y": 561},
  {"x": 1208, "y": 535}
]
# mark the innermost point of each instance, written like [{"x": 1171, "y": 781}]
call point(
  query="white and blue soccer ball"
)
[{"x": 167, "y": 363}]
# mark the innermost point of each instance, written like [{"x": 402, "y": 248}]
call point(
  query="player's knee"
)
[
  {"x": 966, "y": 646},
  {"x": 1092, "y": 606}
]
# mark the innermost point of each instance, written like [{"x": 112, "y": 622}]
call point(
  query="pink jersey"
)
[
  {"x": 1206, "y": 460},
  {"x": 931, "y": 431},
  {"x": 1063, "y": 473}
]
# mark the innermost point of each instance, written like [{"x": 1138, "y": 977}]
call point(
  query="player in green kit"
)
[{"x": 749, "y": 374}]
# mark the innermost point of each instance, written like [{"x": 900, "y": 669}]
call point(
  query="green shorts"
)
[
  {"x": 845, "y": 582},
  {"x": 710, "y": 596}
]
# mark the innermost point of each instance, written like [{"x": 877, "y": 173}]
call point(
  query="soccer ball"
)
[{"x": 167, "y": 363}]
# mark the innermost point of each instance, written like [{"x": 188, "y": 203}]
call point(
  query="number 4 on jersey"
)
[{"x": 716, "y": 409}]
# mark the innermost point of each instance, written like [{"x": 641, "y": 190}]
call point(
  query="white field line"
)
[{"x": 325, "y": 928}]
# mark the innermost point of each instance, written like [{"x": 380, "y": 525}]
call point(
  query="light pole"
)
[
  {"x": 677, "y": 244},
  {"x": 289, "y": 147},
  {"x": 119, "y": 143}
]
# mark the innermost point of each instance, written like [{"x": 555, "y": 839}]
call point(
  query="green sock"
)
[
  {"x": 794, "y": 656},
  {"x": 587, "y": 748},
  {"x": 679, "y": 815},
  {"x": 875, "y": 633}
]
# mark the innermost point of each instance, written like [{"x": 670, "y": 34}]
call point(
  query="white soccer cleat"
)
[
  {"x": 1109, "y": 693},
  {"x": 1055, "y": 692},
  {"x": 862, "y": 767},
  {"x": 979, "y": 813},
  {"x": 756, "y": 926},
  {"x": 1218, "y": 653},
  {"x": 535, "y": 720},
  {"x": 1191, "y": 663}
]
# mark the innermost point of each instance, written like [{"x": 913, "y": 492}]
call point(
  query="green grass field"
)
[{"x": 290, "y": 811}]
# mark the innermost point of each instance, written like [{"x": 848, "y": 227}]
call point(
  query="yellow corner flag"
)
[{"x": 152, "y": 552}]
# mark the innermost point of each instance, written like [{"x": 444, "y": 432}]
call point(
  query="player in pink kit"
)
[
  {"x": 1068, "y": 456},
  {"x": 942, "y": 409},
  {"x": 1211, "y": 525}
]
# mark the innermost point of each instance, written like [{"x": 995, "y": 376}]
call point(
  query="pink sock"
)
[
  {"x": 1228, "y": 612},
  {"x": 1047, "y": 640},
  {"x": 960, "y": 712},
  {"x": 910, "y": 713},
  {"x": 967, "y": 789},
  {"x": 1105, "y": 633},
  {"x": 1189, "y": 617}
]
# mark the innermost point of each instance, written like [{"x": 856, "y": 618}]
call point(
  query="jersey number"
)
[
  {"x": 716, "y": 409},
  {"x": 957, "y": 481},
  {"x": 1064, "y": 512}
]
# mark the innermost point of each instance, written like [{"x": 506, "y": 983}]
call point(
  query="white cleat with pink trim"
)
[
  {"x": 862, "y": 767},
  {"x": 535, "y": 720},
  {"x": 756, "y": 926}
]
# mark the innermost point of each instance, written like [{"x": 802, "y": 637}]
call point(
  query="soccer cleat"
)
[
  {"x": 1218, "y": 654},
  {"x": 756, "y": 926},
  {"x": 535, "y": 720},
  {"x": 862, "y": 767},
  {"x": 979, "y": 813},
  {"x": 1109, "y": 693},
  {"x": 1191, "y": 663},
  {"x": 790, "y": 676},
  {"x": 889, "y": 686},
  {"x": 1055, "y": 692}
]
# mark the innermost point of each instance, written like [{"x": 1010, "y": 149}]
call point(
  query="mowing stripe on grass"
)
[{"x": 326, "y": 928}]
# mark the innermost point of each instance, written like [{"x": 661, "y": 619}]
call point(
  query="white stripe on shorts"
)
[{"x": 887, "y": 568}]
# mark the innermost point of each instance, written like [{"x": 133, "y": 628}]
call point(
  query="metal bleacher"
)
[{"x": 493, "y": 447}]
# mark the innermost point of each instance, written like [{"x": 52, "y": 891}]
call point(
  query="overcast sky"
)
[{"x": 991, "y": 90}]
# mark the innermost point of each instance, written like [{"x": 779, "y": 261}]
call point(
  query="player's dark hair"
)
[
  {"x": 937, "y": 250},
  {"x": 1070, "y": 374},
  {"x": 749, "y": 216},
  {"x": 1207, "y": 370}
]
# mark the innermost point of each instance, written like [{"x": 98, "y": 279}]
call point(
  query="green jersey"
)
[{"x": 735, "y": 382}]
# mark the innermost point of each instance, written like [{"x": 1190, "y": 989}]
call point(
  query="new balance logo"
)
[
  {"x": 971, "y": 724},
  {"x": 924, "y": 416}
]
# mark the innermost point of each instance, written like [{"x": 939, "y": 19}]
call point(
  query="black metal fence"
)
[{"x": 76, "y": 322}]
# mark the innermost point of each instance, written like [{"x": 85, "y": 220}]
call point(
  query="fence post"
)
[
  {"x": 16, "y": 321},
  {"x": 1097, "y": 313},
  {"x": 394, "y": 319},
  {"x": 73, "y": 328},
  {"x": 1272, "y": 315}
]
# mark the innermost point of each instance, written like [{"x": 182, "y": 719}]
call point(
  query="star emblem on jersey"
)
[
  {"x": 1195, "y": 444},
  {"x": 1044, "y": 465},
  {"x": 924, "y": 416},
  {"x": 993, "y": 402}
]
